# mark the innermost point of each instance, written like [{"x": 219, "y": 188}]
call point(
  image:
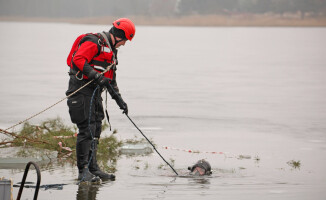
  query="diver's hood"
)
[{"x": 203, "y": 164}]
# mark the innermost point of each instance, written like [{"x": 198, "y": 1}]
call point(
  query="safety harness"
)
[
  {"x": 99, "y": 62},
  {"x": 98, "y": 65}
]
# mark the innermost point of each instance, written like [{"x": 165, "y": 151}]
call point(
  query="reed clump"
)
[
  {"x": 295, "y": 164},
  {"x": 54, "y": 135}
]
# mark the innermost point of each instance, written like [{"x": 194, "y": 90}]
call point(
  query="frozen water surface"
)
[{"x": 240, "y": 91}]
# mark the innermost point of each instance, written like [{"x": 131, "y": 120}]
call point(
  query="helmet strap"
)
[
  {"x": 116, "y": 41},
  {"x": 113, "y": 31}
]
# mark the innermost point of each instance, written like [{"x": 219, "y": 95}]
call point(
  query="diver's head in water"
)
[{"x": 201, "y": 168}]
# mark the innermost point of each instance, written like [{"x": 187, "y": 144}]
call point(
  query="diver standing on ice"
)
[{"x": 93, "y": 57}]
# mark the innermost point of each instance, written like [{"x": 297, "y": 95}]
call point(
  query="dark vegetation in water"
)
[
  {"x": 47, "y": 135},
  {"x": 54, "y": 135},
  {"x": 294, "y": 164},
  {"x": 137, "y": 140}
]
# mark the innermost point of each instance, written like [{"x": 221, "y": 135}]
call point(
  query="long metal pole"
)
[{"x": 151, "y": 144}]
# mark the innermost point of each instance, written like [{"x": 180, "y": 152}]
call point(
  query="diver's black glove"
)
[
  {"x": 101, "y": 80},
  {"x": 117, "y": 97},
  {"x": 122, "y": 105},
  {"x": 98, "y": 78},
  {"x": 125, "y": 110}
]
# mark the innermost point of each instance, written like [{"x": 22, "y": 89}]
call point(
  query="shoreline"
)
[{"x": 239, "y": 20}]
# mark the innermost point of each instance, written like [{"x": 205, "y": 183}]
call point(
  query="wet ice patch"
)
[
  {"x": 240, "y": 157},
  {"x": 136, "y": 149},
  {"x": 18, "y": 157},
  {"x": 316, "y": 141},
  {"x": 276, "y": 191},
  {"x": 150, "y": 128}
]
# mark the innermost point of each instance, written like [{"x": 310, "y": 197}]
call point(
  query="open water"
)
[{"x": 258, "y": 92}]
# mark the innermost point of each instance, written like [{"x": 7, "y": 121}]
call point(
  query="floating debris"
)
[
  {"x": 45, "y": 187},
  {"x": 136, "y": 146},
  {"x": 17, "y": 157},
  {"x": 50, "y": 140},
  {"x": 240, "y": 157},
  {"x": 257, "y": 159},
  {"x": 136, "y": 149},
  {"x": 294, "y": 164}
]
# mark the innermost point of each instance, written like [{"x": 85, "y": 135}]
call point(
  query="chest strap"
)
[{"x": 106, "y": 40}]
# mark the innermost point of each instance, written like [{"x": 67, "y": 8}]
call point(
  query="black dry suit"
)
[{"x": 85, "y": 107}]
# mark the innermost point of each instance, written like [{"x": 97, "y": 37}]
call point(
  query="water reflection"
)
[
  {"x": 18, "y": 157},
  {"x": 201, "y": 180},
  {"x": 87, "y": 192}
]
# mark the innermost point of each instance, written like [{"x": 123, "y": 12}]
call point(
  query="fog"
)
[{"x": 152, "y": 8}]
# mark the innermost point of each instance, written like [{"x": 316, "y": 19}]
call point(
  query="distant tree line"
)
[
  {"x": 252, "y": 6},
  {"x": 73, "y": 8},
  {"x": 87, "y": 8}
]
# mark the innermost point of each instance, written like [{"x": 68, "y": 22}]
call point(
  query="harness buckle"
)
[{"x": 76, "y": 75}]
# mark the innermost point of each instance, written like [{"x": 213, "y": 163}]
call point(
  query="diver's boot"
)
[
  {"x": 104, "y": 176},
  {"x": 86, "y": 176},
  {"x": 95, "y": 169},
  {"x": 82, "y": 153}
]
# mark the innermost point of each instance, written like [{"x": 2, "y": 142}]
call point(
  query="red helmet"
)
[{"x": 127, "y": 26}]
